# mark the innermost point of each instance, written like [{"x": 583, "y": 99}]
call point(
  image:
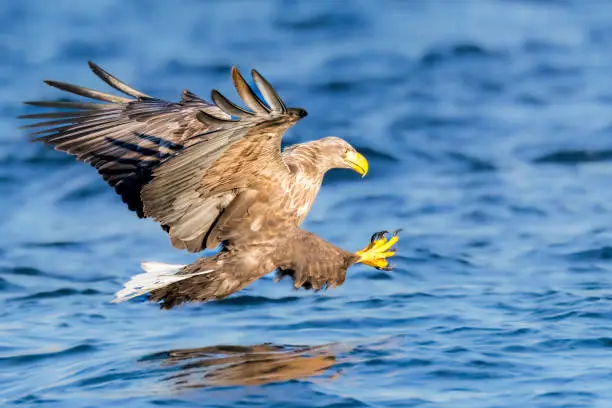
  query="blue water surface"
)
[{"x": 488, "y": 126}]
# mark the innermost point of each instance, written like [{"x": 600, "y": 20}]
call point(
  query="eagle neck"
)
[
  {"x": 307, "y": 177},
  {"x": 305, "y": 163}
]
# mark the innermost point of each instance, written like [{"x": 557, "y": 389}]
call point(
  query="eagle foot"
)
[{"x": 379, "y": 249}]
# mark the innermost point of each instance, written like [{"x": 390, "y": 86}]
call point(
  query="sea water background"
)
[{"x": 488, "y": 126}]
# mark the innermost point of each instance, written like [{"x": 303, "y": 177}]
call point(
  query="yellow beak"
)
[{"x": 357, "y": 162}]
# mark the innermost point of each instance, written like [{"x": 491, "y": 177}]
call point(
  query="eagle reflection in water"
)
[{"x": 220, "y": 366}]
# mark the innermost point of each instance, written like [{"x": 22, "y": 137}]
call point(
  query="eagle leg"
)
[{"x": 379, "y": 249}]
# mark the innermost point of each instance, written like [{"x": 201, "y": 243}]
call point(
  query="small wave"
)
[
  {"x": 54, "y": 244},
  {"x": 23, "y": 270},
  {"x": 561, "y": 316},
  {"x": 599, "y": 254},
  {"x": 467, "y": 374},
  {"x": 35, "y": 357},
  {"x": 6, "y": 286},
  {"x": 376, "y": 155},
  {"x": 84, "y": 192},
  {"x": 337, "y": 21},
  {"x": 473, "y": 164},
  {"x": 538, "y": 46},
  {"x": 35, "y": 272},
  {"x": 377, "y": 275},
  {"x": 527, "y": 210},
  {"x": 547, "y": 71},
  {"x": 338, "y": 86},
  {"x": 524, "y": 331},
  {"x": 63, "y": 292},
  {"x": 374, "y": 201},
  {"x": 31, "y": 399},
  {"x": 366, "y": 322},
  {"x": 574, "y": 157},
  {"x": 517, "y": 348},
  {"x": 179, "y": 68},
  {"x": 368, "y": 303},
  {"x": 504, "y": 365},
  {"x": 458, "y": 51},
  {"x": 79, "y": 50},
  {"x": 564, "y": 395},
  {"x": 529, "y": 99},
  {"x": 463, "y": 329},
  {"x": 429, "y": 122},
  {"x": 571, "y": 344},
  {"x": 39, "y": 156},
  {"x": 251, "y": 300}
]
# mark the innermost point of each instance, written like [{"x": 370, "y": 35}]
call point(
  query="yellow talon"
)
[
  {"x": 377, "y": 251},
  {"x": 384, "y": 244}
]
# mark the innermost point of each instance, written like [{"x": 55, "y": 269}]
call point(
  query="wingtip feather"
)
[
  {"x": 247, "y": 94},
  {"x": 269, "y": 93}
]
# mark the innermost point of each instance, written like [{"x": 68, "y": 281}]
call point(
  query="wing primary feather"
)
[
  {"x": 142, "y": 151},
  {"x": 115, "y": 83},
  {"x": 86, "y": 92},
  {"x": 160, "y": 141},
  {"x": 50, "y": 123},
  {"x": 228, "y": 106},
  {"x": 247, "y": 94},
  {"x": 188, "y": 96},
  {"x": 70, "y": 105},
  {"x": 268, "y": 92},
  {"x": 72, "y": 130},
  {"x": 63, "y": 115},
  {"x": 209, "y": 119},
  {"x": 66, "y": 133}
]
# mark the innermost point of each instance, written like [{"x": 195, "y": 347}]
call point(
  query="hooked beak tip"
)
[{"x": 357, "y": 162}]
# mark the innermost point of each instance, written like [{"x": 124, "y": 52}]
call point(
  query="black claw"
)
[
  {"x": 397, "y": 231},
  {"x": 378, "y": 235}
]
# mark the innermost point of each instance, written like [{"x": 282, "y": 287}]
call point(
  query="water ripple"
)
[
  {"x": 487, "y": 128},
  {"x": 33, "y": 358},
  {"x": 59, "y": 293}
]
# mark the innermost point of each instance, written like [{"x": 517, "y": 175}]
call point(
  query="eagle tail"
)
[{"x": 157, "y": 275}]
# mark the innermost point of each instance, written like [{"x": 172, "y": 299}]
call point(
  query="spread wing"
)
[
  {"x": 123, "y": 138},
  {"x": 194, "y": 156}
]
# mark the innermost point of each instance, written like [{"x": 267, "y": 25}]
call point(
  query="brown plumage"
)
[{"x": 210, "y": 173}]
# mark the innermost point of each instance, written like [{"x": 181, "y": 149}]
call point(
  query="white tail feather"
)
[
  {"x": 160, "y": 268},
  {"x": 156, "y": 276}
]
